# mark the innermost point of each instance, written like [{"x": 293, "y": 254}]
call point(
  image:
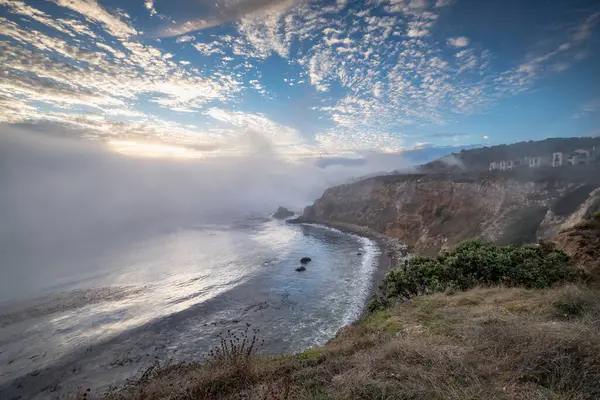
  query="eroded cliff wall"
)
[{"x": 431, "y": 212}]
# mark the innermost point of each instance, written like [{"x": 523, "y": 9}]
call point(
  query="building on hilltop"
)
[
  {"x": 525, "y": 162},
  {"x": 536, "y": 162},
  {"x": 558, "y": 159},
  {"x": 576, "y": 157}
]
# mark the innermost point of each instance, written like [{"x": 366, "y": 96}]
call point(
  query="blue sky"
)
[{"x": 301, "y": 78}]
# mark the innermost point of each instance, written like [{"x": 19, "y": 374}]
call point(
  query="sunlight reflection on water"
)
[{"x": 171, "y": 295}]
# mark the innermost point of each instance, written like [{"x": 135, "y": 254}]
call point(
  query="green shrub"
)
[
  {"x": 475, "y": 262},
  {"x": 597, "y": 216}
]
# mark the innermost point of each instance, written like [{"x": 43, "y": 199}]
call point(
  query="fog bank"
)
[{"x": 63, "y": 198}]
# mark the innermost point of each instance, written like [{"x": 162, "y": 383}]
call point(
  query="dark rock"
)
[
  {"x": 300, "y": 269},
  {"x": 359, "y": 254},
  {"x": 282, "y": 213},
  {"x": 305, "y": 260}
]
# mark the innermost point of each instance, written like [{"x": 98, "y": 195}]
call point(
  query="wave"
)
[{"x": 370, "y": 253}]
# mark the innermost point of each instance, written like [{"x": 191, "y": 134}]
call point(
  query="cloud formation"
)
[
  {"x": 226, "y": 11},
  {"x": 366, "y": 72},
  {"x": 588, "y": 108},
  {"x": 461, "y": 41}
]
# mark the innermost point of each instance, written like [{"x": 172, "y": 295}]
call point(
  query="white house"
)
[
  {"x": 536, "y": 162},
  {"x": 580, "y": 157},
  {"x": 577, "y": 157},
  {"x": 557, "y": 159}
]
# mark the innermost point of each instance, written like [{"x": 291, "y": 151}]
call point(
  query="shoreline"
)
[{"x": 391, "y": 250}]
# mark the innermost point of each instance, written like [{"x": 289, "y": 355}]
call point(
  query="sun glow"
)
[{"x": 137, "y": 149}]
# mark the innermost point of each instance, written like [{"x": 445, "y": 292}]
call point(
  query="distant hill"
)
[{"x": 480, "y": 158}]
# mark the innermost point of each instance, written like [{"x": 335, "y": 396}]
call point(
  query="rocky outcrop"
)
[
  {"x": 282, "y": 213},
  {"x": 432, "y": 212},
  {"x": 582, "y": 243}
]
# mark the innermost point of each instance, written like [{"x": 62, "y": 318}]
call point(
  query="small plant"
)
[{"x": 236, "y": 346}]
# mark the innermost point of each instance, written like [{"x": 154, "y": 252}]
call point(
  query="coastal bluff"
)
[{"x": 433, "y": 212}]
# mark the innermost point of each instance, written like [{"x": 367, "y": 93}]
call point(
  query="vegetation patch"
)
[{"x": 473, "y": 263}]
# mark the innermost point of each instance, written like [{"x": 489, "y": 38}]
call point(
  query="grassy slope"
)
[
  {"x": 481, "y": 344},
  {"x": 485, "y": 343}
]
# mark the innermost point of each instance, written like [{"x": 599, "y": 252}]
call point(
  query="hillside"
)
[
  {"x": 489, "y": 342},
  {"x": 474, "y": 321},
  {"x": 482, "y": 344},
  {"x": 430, "y": 212},
  {"x": 480, "y": 158}
]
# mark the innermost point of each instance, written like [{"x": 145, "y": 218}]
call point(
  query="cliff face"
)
[{"x": 430, "y": 212}]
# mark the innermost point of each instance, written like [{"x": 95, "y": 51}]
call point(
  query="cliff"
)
[
  {"x": 582, "y": 243},
  {"x": 430, "y": 212}
]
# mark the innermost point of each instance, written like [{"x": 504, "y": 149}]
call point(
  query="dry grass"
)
[{"x": 494, "y": 343}]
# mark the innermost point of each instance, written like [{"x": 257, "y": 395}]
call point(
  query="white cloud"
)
[
  {"x": 369, "y": 77},
  {"x": 417, "y": 33},
  {"x": 249, "y": 125},
  {"x": 588, "y": 108},
  {"x": 69, "y": 77},
  {"x": 554, "y": 55},
  {"x": 443, "y": 3},
  {"x": 225, "y": 11},
  {"x": 461, "y": 41},
  {"x": 149, "y": 4},
  {"x": 185, "y": 38},
  {"x": 583, "y": 31},
  {"x": 94, "y": 12},
  {"x": 320, "y": 67},
  {"x": 342, "y": 141},
  {"x": 208, "y": 49}
]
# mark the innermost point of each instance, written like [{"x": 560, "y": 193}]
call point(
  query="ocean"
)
[{"x": 102, "y": 317}]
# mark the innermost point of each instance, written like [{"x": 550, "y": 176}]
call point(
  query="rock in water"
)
[
  {"x": 300, "y": 269},
  {"x": 359, "y": 254},
  {"x": 305, "y": 260},
  {"x": 282, "y": 213}
]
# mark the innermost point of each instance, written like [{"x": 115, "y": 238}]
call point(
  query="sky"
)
[{"x": 203, "y": 79}]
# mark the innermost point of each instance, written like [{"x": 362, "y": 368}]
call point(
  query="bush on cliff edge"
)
[{"x": 474, "y": 263}]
